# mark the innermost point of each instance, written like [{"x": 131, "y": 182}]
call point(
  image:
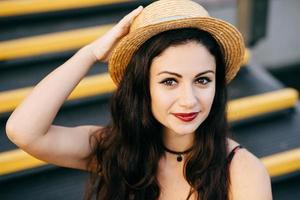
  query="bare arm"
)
[{"x": 30, "y": 125}]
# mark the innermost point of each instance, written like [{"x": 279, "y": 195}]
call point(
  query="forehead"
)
[{"x": 189, "y": 57}]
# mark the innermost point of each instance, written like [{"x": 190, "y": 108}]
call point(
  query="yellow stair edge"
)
[
  {"x": 256, "y": 105},
  {"x": 277, "y": 164},
  {"x": 21, "y": 7},
  {"x": 89, "y": 86},
  {"x": 51, "y": 42},
  {"x": 17, "y": 160}
]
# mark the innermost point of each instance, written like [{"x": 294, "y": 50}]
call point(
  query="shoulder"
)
[
  {"x": 249, "y": 177},
  {"x": 231, "y": 145}
]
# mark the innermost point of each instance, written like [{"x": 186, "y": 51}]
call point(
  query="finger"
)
[
  {"x": 134, "y": 12},
  {"x": 130, "y": 16},
  {"x": 123, "y": 25}
]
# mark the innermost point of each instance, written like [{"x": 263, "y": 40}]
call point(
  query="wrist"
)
[{"x": 87, "y": 50}]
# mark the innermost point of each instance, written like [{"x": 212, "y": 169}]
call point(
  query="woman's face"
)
[{"x": 182, "y": 81}]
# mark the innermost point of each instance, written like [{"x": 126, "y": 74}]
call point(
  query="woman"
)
[{"x": 168, "y": 135}]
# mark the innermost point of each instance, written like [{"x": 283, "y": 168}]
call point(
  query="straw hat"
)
[{"x": 165, "y": 15}]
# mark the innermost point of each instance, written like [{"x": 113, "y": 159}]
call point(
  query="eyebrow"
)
[{"x": 178, "y": 75}]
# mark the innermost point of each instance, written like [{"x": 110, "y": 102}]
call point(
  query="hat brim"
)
[{"x": 228, "y": 37}]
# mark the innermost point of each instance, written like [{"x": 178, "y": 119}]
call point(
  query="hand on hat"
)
[{"x": 101, "y": 48}]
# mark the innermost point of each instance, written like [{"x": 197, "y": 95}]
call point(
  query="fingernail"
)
[{"x": 139, "y": 7}]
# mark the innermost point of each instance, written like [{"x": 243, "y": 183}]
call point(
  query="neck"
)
[{"x": 176, "y": 142}]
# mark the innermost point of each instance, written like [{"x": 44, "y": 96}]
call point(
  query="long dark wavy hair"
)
[{"x": 127, "y": 151}]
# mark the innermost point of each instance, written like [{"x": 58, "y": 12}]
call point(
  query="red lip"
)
[{"x": 186, "y": 117}]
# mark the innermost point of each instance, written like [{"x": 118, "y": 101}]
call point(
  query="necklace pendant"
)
[
  {"x": 179, "y": 158},
  {"x": 179, "y": 154}
]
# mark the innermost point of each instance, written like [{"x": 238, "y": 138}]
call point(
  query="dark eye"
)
[
  {"x": 203, "y": 80},
  {"x": 168, "y": 82}
]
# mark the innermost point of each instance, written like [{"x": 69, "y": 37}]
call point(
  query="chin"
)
[{"x": 183, "y": 130}]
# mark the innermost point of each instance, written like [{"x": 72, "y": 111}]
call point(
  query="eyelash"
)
[{"x": 164, "y": 82}]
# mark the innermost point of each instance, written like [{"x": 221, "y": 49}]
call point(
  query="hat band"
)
[{"x": 164, "y": 19}]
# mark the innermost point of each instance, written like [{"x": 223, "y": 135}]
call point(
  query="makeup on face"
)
[
  {"x": 182, "y": 87},
  {"x": 170, "y": 80},
  {"x": 186, "y": 117}
]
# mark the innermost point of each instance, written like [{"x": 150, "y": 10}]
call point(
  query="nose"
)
[{"x": 187, "y": 97}]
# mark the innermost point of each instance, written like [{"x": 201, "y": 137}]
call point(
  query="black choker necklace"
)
[{"x": 178, "y": 153}]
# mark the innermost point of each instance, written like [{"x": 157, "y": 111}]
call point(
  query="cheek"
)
[
  {"x": 161, "y": 102},
  {"x": 207, "y": 98}
]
